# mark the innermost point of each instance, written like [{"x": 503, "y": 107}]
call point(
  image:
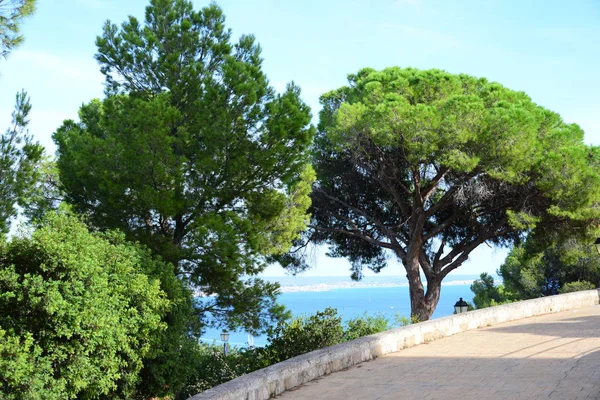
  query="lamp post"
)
[
  {"x": 461, "y": 306},
  {"x": 597, "y": 244},
  {"x": 225, "y": 338}
]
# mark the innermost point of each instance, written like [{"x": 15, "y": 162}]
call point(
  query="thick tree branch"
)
[
  {"x": 393, "y": 236},
  {"x": 388, "y": 186},
  {"x": 357, "y": 234},
  {"x": 447, "y": 199},
  {"x": 388, "y": 183},
  {"x": 417, "y": 182},
  {"x": 441, "y": 227},
  {"x": 429, "y": 189},
  {"x": 438, "y": 254},
  {"x": 425, "y": 264},
  {"x": 461, "y": 252}
]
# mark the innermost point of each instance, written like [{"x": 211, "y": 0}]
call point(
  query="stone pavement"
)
[{"x": 554, "y": 356}]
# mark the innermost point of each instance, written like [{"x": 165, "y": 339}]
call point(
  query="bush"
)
[
  {"x": 77, "y": 313},
  {"x": 545, "y": 264},
  {"x": 288, "y": 339},
  {"x": 304, "y": 334},
  {"x": 487, "y": 294},
  {"x": 174, "y": 355},
  {"x": 576, "y": 286},
  {"x": 401, "y": 320},
  {"x": 365, "y": 325},
  {"x": 213, "y": 368}
]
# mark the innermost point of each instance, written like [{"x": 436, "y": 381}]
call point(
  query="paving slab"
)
[{"x": 552, "y": 356}]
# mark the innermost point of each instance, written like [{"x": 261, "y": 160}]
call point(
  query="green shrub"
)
[
  {"x": 576, "y": 286},
  {"x": 213, "y": 368},
  {"x": 174, "y": 355},
  {"x": 77, "y": 313},
  {"x": 365, "y": 325},
  {"x": 304, "y": 334},
  {"x": 288, "y": 339},
  {"x": 401, "y": 320},
  {"x": 487, "y": 294}
]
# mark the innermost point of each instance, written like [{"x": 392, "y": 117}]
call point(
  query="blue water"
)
[{"x": 371, "y": 296}]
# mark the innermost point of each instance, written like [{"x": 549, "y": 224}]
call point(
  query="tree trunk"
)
[
  {"x": 422, "y": 305},
  {"x": 416, "y": 290},
  {"x": 432, "y": 297}
]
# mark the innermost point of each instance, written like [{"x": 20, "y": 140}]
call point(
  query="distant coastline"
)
[
  {"x": 323, "y": 287},
  {"x": 300, "y": 284},
  {"x": 292, "y": 284}
]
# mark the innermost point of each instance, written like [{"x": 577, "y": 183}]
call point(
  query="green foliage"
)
[
  {"x": 544, "y": 264},
  {"x": 44, "y": 193},
  {"x": 193, "y": 154},
  {"x": 11, "y": 14},
  {"x": 523, "y": 274},
  {"x": 401, "y": 320},
  {"x": 288, "y": 339},
  {"x": 19, "y": 156},
  {"x": 77, "y": 312},
  {"x": 576, "y": 287},
  {"x": 425, "y": 166},
  {"x": 19, "y": 163},
  {"x": 174, "y": 353},
  {"x": 365, "y": 325},
  {"x": 213, "y": 368},
  {"x": 487, "y": 294},
  {"x": 302, "y": 335}
]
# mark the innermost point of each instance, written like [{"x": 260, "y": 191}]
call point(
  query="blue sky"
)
[{"x": 549, "y": 49}]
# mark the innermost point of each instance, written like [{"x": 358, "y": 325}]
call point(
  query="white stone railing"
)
[{"x": 277, "y": 378}]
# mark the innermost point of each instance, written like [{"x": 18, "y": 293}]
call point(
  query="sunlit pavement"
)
[{"x": 553, "y": 356}]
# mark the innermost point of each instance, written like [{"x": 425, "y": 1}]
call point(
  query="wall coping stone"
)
[{"x": 277, "y": 378}]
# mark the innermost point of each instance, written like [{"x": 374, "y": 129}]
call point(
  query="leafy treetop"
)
[
  {"x": 430, "y": 165},
  {"x": 194, "y": 154},
  {"x": 19, "y": 164},
  {"x": 11, "y": 14}
]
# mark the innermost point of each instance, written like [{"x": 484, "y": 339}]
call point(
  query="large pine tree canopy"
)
[{"x": 430, "y": 165}]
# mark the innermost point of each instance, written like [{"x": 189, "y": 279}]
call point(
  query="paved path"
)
[{"x": 553, "y": 356}]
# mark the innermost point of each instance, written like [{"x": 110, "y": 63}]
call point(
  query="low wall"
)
[{"x": 277, "y": 378}]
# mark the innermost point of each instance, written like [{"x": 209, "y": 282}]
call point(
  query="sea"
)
[{"x": 373, "y": 295}]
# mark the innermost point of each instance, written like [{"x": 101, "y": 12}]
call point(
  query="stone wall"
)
[{"x": 268, "y": 382}]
